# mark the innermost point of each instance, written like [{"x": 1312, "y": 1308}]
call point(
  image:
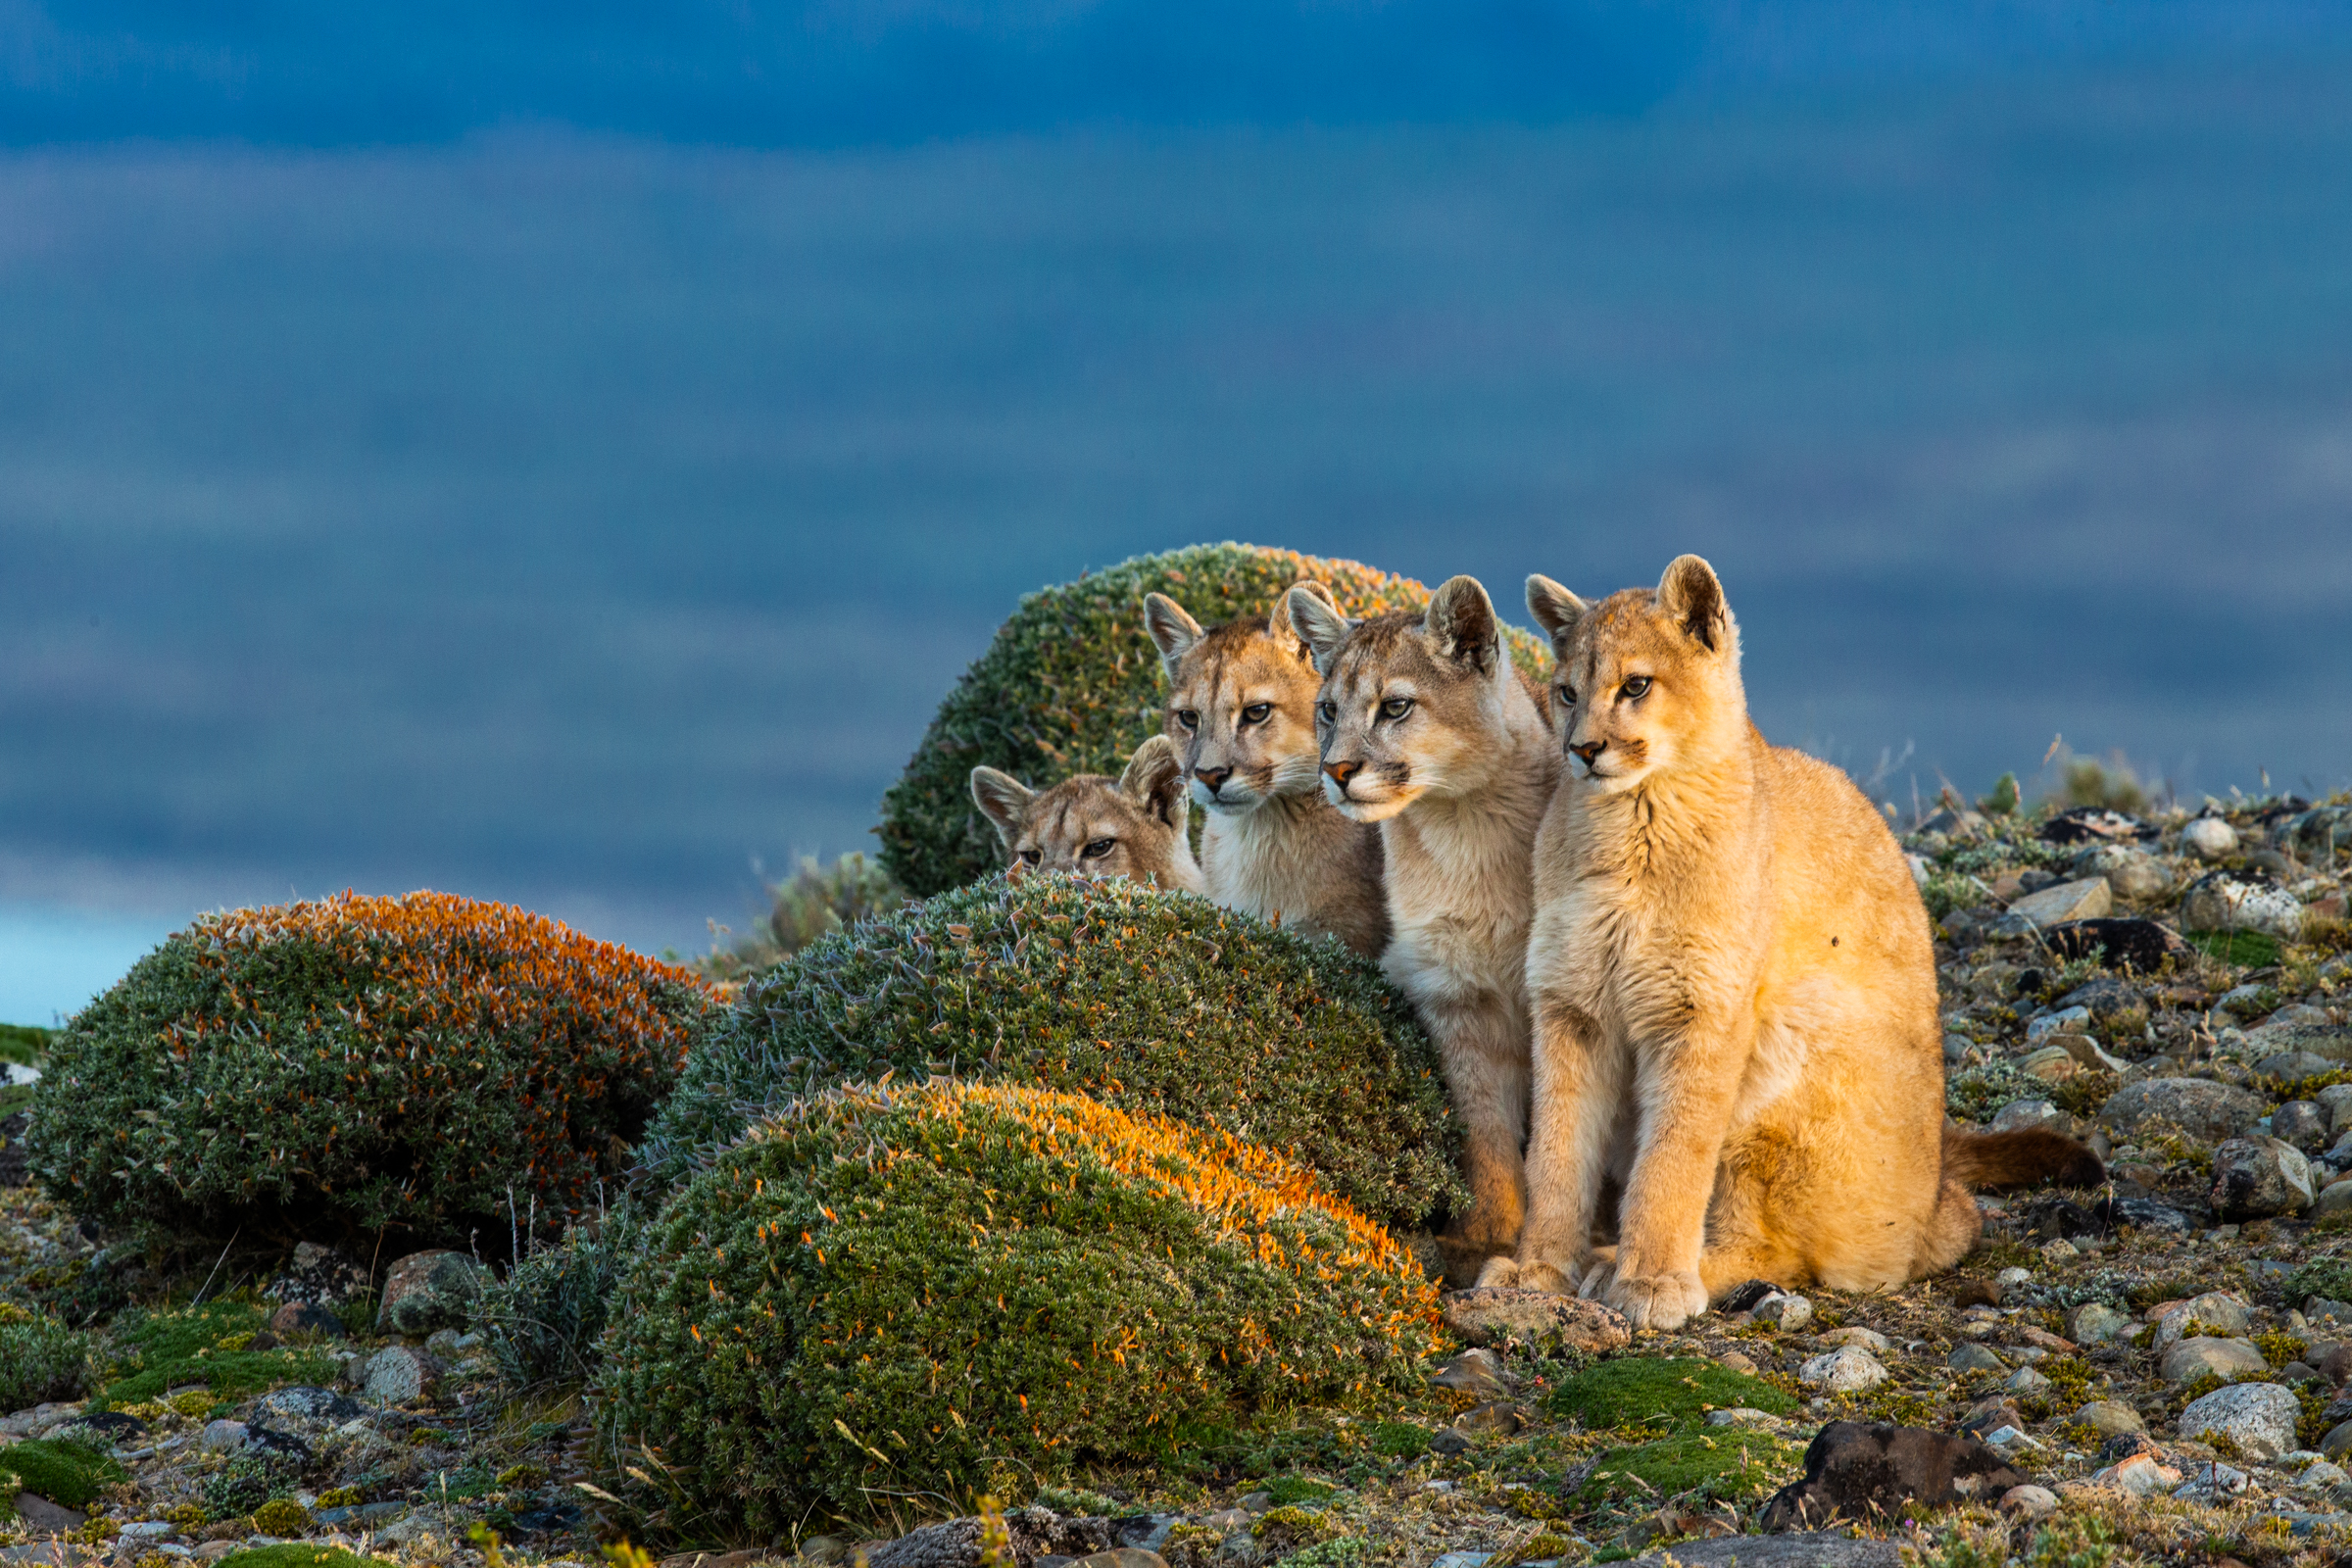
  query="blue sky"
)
[{"x": 565, "y": 458}]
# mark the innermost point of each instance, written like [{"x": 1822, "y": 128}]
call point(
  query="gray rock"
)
[
  {"x": 2334, "y": 1199},
  {"x": 2215, "y": 1312},
  {"x": 223, "y": 1436},
  {"x": 2255, "y": 1178},
  {"x": 2212, "y": 1482},
  {"x": 307, "y": 1412},
  {"x": 2133, "y": 874},
  {"x": 2259, "y": 1417},
  {"x": 2022, "y": 1115},
  {"x": 2227, "y": 1359},
  {"x": 2109, "y": 1419},
  {"x": 2337, "y": 1101},
  {"x": 1491, "y": 1316},
  {"x": 397, "y": 1374},
  {"x": 956, "y": 1542},
  {"x": 2025, "y": 1380},
  {"x": 2198, "y": 1107},
  {"x": 2095, "y": 1323},
  {"x": 2241, "y": 901},
  {"x": 321, "y": 1277},
  {"x": 1478, "y": 1372},
  {"x": 2293, "y": 1066},
  {"x": 2301, "y": 1035},
  {"x": 1784, "y": 1312},
  {"x": 1798, "y": 1548},
  {"x": 2209, "y": 838},
  {"x": 2321, "y": 1475},
  {"x": 2089, "y": 898},
  {"x": 2302, "y": 1123},
  {"x": 1845, "y": 1370},
  {"x": 2052, "y": 1064},
  {"x": 1861, "y": 1338},
  {"x": 428, "y": 1291},
  {"x": 2339, "y": 1440},
  {"x": 1450, "y": 1441},
  {"x": 1744, "y": 1415},
  {"x": 2318, "y": 835},
  {"x": 2029, "y": 1501},
  {"x": 45, "y": 1518},
  {"x": 1495, "y": 1417},
  {"x": 1974, "y": 1358}
]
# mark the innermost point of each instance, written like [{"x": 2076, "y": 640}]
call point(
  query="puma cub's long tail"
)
[{"x": 2026, "y": 1159}]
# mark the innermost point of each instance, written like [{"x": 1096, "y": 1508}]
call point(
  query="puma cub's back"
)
[
  {"x": 1241, "y": 713},
  {"x": 1131, "y": 826},
  {"x": 1428, "y": 730},
  {"x": 1734, "y": 990}
]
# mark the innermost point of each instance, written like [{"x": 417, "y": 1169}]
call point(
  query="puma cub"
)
[
  {"x": 1427, "y": 730},
  {"x": 1735, "y": 992},
  {"x": 1133, "y": 826},
  {"x": 1242, "y": 715}
]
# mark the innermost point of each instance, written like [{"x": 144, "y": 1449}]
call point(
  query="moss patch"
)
[
  {"x": 1675, "y": 1392},
  {"x": 159, "y": 1350},
  {"x": 2248, "y": 949},
  {"x": 1071, "y": 684},
  {"x": 952, "y": 1288},
  {"x": 299, "y": 1554},
  {"x": 63, "y": 1472},
  {"x": 1148, "y": 1001},
  {"x": 1721, "y": 1462}
]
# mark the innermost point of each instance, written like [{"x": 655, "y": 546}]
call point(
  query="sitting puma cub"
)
[
  {"x": 1134, "y": 826},
  {"x": 1735, "y": 992},
  {"x": 1428, "y": 730},
  {"x": 1241, "y": 714}
]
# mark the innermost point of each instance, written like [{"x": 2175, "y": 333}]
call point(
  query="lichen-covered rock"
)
[
  {"x": 1490, "y": 1315},
  {"x": 1145, "y": 1000},
  {"x": 2256, "y": 1178},
  {"x": 2214, "y": 1313},
  {"x": 2242, "y": 901},
  {"x": 2197, "y": 1107},
  {"x": 920, "y": 1286},
  {"x": 428, "y": 1291},
  {"x": 2259, "y": 1417},
  {"x": 2203, "y": 1356}
]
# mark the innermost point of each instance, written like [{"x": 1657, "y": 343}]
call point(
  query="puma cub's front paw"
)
[
  {"x": 1544, "y": 1277},
  {"x": 1497, "y": 1271},
  {"x": 1658, "y": 1301}
]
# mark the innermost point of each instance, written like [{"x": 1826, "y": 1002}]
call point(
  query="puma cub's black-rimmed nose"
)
[
  {"x": 1589, "y": 750},
  {"x": 1214, "y": 777}
]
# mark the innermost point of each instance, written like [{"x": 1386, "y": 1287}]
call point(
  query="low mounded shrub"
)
[
  {"x": 67, "y": 1473},
  {"x": 1148, "y": 1001},
  {"x": 1071, "y": 684},
  {"x": 209, "y": 1344},
  {"x": 955, "y": 1286},
  {"x": 40, "y": 1361},
  {"x": 341, "y": 1068}
]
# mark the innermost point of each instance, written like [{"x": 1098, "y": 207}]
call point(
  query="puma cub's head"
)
[
  {"x": 1648, "y": 679},
  {"x": 1131, "y": 826},
  {"x": 1410, "y": 704},
  {"x": 1241, "y": 702}
]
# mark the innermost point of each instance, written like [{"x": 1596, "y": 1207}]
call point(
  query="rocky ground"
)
[{"x": 2152, "y": 1371}]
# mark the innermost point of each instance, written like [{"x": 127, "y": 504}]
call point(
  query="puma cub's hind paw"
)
[
  {"x": 1658, "y": 1301},
  {"x": 1544, "y": 1277},
  {"x": 1497, "y": 1271}
]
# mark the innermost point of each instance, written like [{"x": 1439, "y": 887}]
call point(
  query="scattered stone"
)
[
  {"x": 1842, "y": 1371},
  {"x": 1496, "y": 1418},
  {"x": 223, "y": 1436},
  {"x": 1854, "y": 1470},
  {"x": 2029, "y": 1501},
  {"x": 1783, "y": 1312},
  {"x": 956, "y": 1542},
  {"x": 1450, "y": 1441},
  {"x": 2255, "y": 1178},
  {"x": 2209, "y": 838},
  {"x": 428, "y": 1291},
  {"x": 46, "y": 1518},
  {"x": 2095, "y": 1323},
  {"x": 2302, "y": 1123},
  {"x": 2026, "y": 1381},
  {"x": 1478, "y": 1372},
  {"x": 2227, "y": 1359},
  {"x": 2139, "y": 1474},
  {"x": 1746, "y": 1416},
  {"x": 2086, "y": 899},
  {"x": 1737, "y": 1362},
  {"x": 1802, "y": 1548},
  {"x": 2334, "y": 1199},
  {"x": 320, "y": 1277},
  {"x": 1493, "y": 1314},
  {"x": 397, "y": 1375},
  {"x": 1861, "y": 1338},
  {"x": 1115, "y": 1557},
  {"x": 308, "y": 1413},
  {"x": 2212, "y": 1482},
  {"x": 2242, "y": 901},
  {"x": 2198, "y": 1107},
  {"x": 2339, "y": 1440},
  {"x": 1974, "y": 1358},
  {"x": 2109, "y": 1419},
  {"x": 2052, "y": 1064},
  {"x": 304, "y": 1320},
  {"x": 2337, "y": 1101},
  {"x": 2134, "y": 874},
  {"x": 2023, "y": 1115},
  {"x": 2259, "y": 1417},
  {"x": 2145, "y": 1214}
]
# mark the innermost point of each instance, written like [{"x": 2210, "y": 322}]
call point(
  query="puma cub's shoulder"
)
[{"x": 1131, "y": 826}]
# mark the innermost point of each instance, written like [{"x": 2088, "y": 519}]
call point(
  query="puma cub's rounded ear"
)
[
  {"x": 1172, "y": 631},
  {"x": 1278, "y": 619},
  {"x": 1461, "y": 620},
  {"x": 1154, "y": 778},
  {"x": 1690, "y": 594},
  {"x": 1001, "y": 798},
  {"x": 1556, "y": 608},
  {"x": 1320, "y": 624}
]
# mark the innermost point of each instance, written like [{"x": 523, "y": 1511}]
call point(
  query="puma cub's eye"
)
[
  {"x": 1032, "y": 857},
  {"x": 1396, "y": 708},
  {"x": 1255, "y": 712},
  {"x": 1098, "y": 848},
  {"x": 1189, "y": 718},
  {"x": 1567, "y": 696},
  {"x": 1636, "y": 688},
  {"x": 1328, "y": 712}
]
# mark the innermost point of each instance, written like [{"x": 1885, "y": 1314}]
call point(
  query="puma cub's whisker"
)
[
  {"x": 1131, "y": 826},
  {"x": 1734, "y": 988},
  {"x": 1427, "y": 730},
  {"x": 1241, "y": 713}
]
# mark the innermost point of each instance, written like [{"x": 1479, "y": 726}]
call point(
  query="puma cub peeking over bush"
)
[
  {"x": 1735, "y": 992},
  {"x": 1241, "y": 713},
  {"x": 1428, "y": 730},
  {"x": 1131, "y": 826}
]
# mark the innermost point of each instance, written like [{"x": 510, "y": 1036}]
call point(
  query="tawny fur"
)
[
  {"x": 1133, "y": 826},
  {"x": 1240, "y": 712},
  {"x": 1425, "y": 729},
  {"x": 1734, "y": 990}
]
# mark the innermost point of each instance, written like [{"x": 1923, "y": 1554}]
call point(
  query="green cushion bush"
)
[
  {"x": 1150, "y": 1000},
  {"x": 41, "y": 1359},
  {"x": 357, "y": 1066},
  {"x": 154, "y": 1352},
  {"x": 959, "y": 1286},
  {"x": 66, "y": 1473},
  {"x": 1672, "y": 1392},
  {"x": 1071, "y": 684}
]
